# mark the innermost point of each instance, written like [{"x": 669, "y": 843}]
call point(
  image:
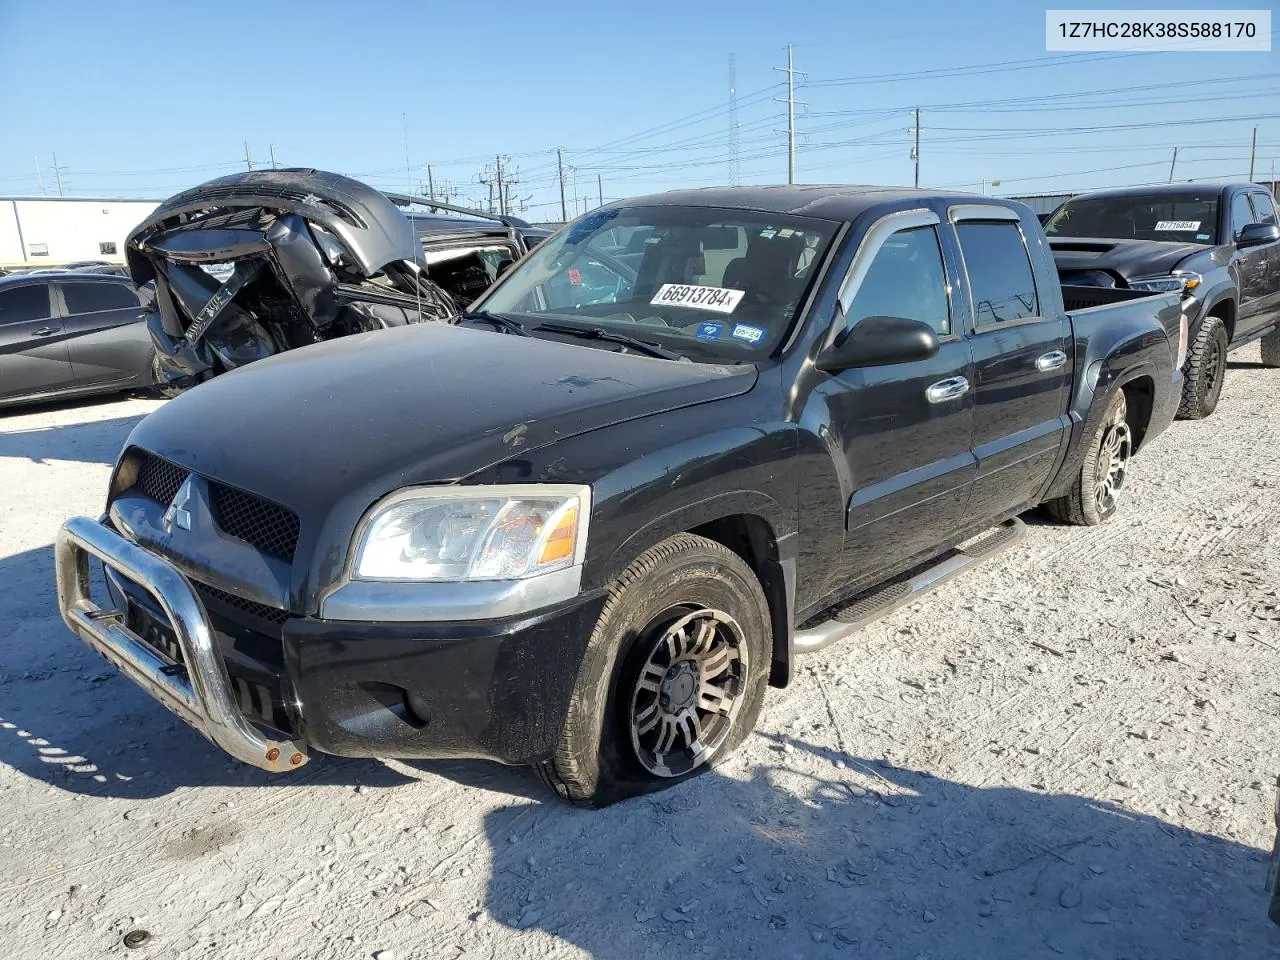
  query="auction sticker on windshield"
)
[
  {"x": 717, "y": 299},
  {"x": 1187, "y": 225}
]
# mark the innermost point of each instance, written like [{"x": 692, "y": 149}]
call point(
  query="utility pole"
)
[
  {"x": 1253, "y": 154},
  {"x": 58, "y": 176},
  {"x": 431, "y": 185},
  {"x": 271, "y": 148},
  {"x": 39, "y": 174},
  {"x": 1173, "y": 164},
  {"x": 564, "y": 211},
  {"x": 733, "y": 121},
  {"x": 502, "y": 195},
  {"x": 791, "y": 102},
  {"x": 248, "y": 162},
  {"x": 600, "y": 189},
  {"x": 915, "y": 151}
]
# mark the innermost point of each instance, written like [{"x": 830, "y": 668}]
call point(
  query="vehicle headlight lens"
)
[
  {"x": 474, "y": 533},
  {"x": 1172, "y": 283}
]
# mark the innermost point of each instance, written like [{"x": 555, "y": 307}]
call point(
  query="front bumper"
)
[
  {"x": 495, "y": 689},
  {"x": 199, "y": 689}
]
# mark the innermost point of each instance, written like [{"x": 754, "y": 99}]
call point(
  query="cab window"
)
[
  {"x": 906, "y": 279},
  {"x": 1241, "y": 214}
]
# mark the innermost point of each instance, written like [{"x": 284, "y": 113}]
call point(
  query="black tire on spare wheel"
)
[
  {"x": 1204, "y": 371},
  {"x": 1104, "y": 473},
  {"x": 1271, "y": 349},
  {"x": 673, "y": 677}
]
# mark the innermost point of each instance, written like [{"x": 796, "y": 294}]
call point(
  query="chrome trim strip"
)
[
  {"x": 980, "y": 211},
  {"x": 405, "y": 601},
  {"x": 200, "y": 694}
]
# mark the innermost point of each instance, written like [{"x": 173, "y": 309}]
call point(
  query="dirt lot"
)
[{"x": 1068, "y": 753}]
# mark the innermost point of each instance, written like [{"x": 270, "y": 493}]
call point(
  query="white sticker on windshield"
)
[
  {"x": 1188, "y": 225},
  {"x": 717, "y": 299}
]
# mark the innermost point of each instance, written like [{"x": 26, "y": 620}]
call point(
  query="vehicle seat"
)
[
  {"x": 670, "y": 260},
  {"x": 768, "y": 266}
]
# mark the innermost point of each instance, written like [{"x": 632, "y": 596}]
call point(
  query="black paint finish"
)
[{"x": 827, "y": 482}]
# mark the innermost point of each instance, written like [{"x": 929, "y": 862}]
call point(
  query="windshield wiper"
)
[
  {"x": 599, "y": 333},
  {"x": 505, "y": 324}
]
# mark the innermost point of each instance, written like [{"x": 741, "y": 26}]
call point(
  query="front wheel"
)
[
  {"x": 1103, "y": 475},
  {"x": 673, "y": 677},
  {"x": 1205, "y": 370}
]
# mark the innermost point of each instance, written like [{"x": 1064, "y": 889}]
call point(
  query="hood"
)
[
  {"x": 1124, "y": 260},
  {"x": 370, "y": 228},
  {"x": 358, "y": 417}
]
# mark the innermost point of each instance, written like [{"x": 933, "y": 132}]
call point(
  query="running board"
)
[{"x": 881, "y": 601}]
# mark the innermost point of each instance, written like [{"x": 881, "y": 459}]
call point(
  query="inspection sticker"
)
[
  {"x": 1188, "y": 225},
  {"x": 717, "y": 299},
  {"x": 748, "y": 333}
]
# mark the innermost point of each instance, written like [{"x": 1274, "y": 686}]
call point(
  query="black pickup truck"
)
[
  {"x": 585, "y": 525},
  {"x": 1217, "y": 244}
]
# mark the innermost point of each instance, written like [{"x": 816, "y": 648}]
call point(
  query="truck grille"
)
[
  {"x": 268, "y": 526},
  {"x": 271, "y": 528},
  {"x": 159, "y": 479},
  {"x": 259, "y": 611}
]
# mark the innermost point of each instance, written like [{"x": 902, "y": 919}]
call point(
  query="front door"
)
[
  {"x": 1251, "y": 267},
  {"x": 33, "y": 351},
  {"x": 904, "y": 428},
  {"x": 1022, "y": 367},
  {"x": 1266, "y": 279}
]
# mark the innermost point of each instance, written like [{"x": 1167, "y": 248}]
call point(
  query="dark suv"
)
[
  {"x": 71, "y": 333},
  {"x": 1217, "y": 243}
]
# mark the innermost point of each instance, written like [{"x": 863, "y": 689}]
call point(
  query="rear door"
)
[
  {"x": 106, "y": 336},
  {"x": 904, "y": 428},
  {"x": 33, "y": 350},
  {"x": 1021, "y": 363}
]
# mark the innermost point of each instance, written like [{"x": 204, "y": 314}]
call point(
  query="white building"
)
[{"x": 47, "y": 231}]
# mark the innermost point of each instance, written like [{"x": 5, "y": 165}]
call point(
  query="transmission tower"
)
[{"x": 733, "y": 121}]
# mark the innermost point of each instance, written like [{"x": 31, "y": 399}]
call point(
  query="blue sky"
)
[{"x": 144, "y": 99}]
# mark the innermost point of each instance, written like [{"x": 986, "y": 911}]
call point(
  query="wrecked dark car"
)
[{"x": 258, "y": 263}]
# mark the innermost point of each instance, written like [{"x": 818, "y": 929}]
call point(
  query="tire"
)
[
  {"x": 1271, "y": 349},
  {"x": 1103, "y": 474},
  {"x": 633, "y": 684},
  {"x": 1205, "y": 369},
  {"x": 162, "y": 386}
]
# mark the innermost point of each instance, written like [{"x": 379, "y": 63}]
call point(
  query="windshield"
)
[
  {"x": 711, "y": 284},
  {"x": 1186, "y": 218}
]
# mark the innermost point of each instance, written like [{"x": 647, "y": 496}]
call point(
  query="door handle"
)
[
  {"x": 44, "y": 332},
  {"x": 1050, "y": 361},
  {"x": 948, "y": 389}
]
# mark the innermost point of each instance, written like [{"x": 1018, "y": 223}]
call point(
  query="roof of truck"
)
[
  {"x": 828, "y": 201},
  {"x": 1170, "y": 189}
]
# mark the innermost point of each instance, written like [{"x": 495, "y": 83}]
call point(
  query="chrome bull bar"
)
[{"x": 200, "y": 690}]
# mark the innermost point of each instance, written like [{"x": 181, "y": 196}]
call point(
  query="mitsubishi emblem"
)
[{"x": 177, "y": 512}]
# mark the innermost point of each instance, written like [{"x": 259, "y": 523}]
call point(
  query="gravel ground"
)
[{"x": 1069, "y": 752}]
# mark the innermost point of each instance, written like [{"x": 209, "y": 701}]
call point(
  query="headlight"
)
[
  {"x": 1171, "y": 283},
  {"x": 474, "y": 533}
]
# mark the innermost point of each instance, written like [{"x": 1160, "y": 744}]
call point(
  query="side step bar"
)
[{"x": 866, "y": 608}]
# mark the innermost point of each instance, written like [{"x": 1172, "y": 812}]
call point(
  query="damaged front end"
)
[{"x": 253, "y": 264}]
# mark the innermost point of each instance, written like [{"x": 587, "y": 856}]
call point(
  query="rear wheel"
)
[
  {"x": 1205, "y": 370},
  {"x": 1103, "y": 475},
  {"x": 162, "y": 386},
  {"x": 673, "y": 677},
  {"x": 1271, "y": 349}
]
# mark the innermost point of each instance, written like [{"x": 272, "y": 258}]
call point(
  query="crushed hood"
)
[
  {"x": 365, "y": 222},
  {"x": 350, "y": 420},
  {"x": 1123, "y": 259}
]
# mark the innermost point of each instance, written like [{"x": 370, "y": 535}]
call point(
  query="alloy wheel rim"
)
[
  {"x": 1113, "y": 466},
  {"x": 1213, "y": 371},
  {"x": 689, "y": 690}
]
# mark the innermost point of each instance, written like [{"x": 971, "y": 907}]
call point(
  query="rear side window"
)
[
  {"x": 1241, "y": 214},
  {"x": 999, "y": 268},
  {"x": 22, "y": 304},
  {"x": 1264, "y": 211},
  {"x": 906, "y": 279},
  {"x": 92, "y": 297}
]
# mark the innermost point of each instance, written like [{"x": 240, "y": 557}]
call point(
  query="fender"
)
[{"x": 1224, "y": 293}]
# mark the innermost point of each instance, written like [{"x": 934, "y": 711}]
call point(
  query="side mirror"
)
[
  {"x": 877, "y": 342},
  {"x": 1256, "y": 234}
]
